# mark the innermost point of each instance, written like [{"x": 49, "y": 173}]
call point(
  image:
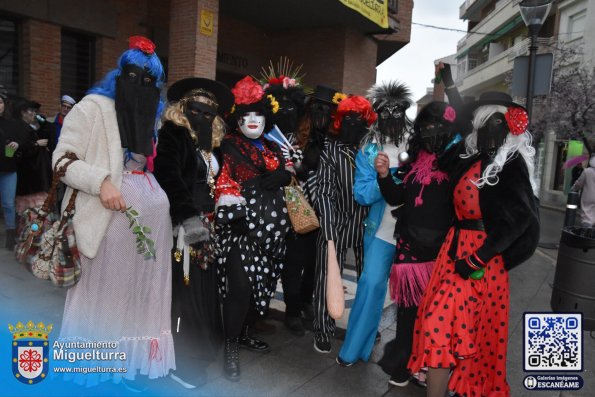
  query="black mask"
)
[
  {"x": 492, "y": 134},
  {"x": 435, "y": 137},
  {"x": 391, "y": 122},
  {"x": 320, "y": 112},
  {"x": 353, "y": 128},
  {"x": 137, "y": 98},
  {"x": 201, "y": 118},
  {"x": 287, "y": 116}
]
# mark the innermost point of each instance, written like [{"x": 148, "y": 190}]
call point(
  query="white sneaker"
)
[
  {"x": 184, "y": 384},
  {"x": 394, "y": 382}
]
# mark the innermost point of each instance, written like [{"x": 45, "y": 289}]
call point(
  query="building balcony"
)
[
  {"x": 476, "y": 73},
  {"x": 505, "y": 17},
  {"x": 468, "y": 6}
]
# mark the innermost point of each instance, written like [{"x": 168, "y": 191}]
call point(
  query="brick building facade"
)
[{"x": 59, "y": 45}]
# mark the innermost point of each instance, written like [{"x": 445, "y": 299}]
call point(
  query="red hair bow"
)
[
  {"x": 141, "y": 43},
  {"x": 517, "y": 120}
]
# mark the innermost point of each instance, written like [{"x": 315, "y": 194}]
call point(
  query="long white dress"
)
[{"x": 123, "y": 298}]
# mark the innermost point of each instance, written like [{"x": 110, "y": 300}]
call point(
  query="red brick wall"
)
[
  {"x": 240, "y": 38},
  {"x": 359, "y": 65},
  {"x": 321, "y": 51},
  {"x": 40, "y": 56},
  {"x": 131, "y": 20},
  {"x": 191, "y": 53},
  {"x": 404, "y": 17},
  {"x": 337, "y": 57}
]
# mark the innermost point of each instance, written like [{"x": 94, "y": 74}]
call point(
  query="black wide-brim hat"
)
[
  {"x": 323, "y": 93},
  {"x": 222, "y": 92},
  {"x": 21, "y": 104},
  {"x": 492, "y": 98}
]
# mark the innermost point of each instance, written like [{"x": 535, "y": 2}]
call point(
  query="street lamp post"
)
[{"x": 534, "y": 13}]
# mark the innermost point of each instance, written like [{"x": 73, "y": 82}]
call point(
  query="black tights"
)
[
  {"x": 404, "y": 338},
  {"x": 236, "y": 305}
]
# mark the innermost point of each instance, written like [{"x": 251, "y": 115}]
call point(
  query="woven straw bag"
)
[{"x": 301, "y": 214}]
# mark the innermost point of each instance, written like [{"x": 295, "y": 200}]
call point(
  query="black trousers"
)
[
  {"x": 298, "y": 273},
  {"x": 397, "y": 352}
]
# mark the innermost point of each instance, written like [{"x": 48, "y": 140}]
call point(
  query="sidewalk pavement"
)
[{"x": 293, "y": 368}]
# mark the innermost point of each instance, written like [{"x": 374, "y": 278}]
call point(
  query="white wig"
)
[{"x": 512, "y": 146}]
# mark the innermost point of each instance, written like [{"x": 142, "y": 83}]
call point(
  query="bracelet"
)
[
  {"x": 471, "y": 264},
  {"x": 478, "y": 259}
]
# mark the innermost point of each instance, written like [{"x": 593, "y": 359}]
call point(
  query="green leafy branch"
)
[{"x": 144, "y": 245}]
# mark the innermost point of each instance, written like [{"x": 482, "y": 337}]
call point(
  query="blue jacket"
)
[{"x": 366, "y": 191}]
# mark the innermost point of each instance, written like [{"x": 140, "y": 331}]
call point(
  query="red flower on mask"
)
[
  {"x": 141, "y": 43},
  {"x": 277, "y": 80},
  {"x": 247, "y": 91},
  {"x": 517, "y": 120}
]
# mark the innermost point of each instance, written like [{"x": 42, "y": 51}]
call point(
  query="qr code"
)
[{"x": 553, "y": 342}]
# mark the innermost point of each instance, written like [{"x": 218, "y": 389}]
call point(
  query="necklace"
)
[{"x": 208, "y": 158}]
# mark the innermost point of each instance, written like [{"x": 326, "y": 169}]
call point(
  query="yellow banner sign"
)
[{"x": 375, "y": 10}]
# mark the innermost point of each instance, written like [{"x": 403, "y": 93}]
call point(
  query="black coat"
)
[
  {"x": 423, "y": 227},
  {"x": 10, "y": 131},
  {"x": 35, "y": 164},
  {"x": 182, "y": 174},
  {"x": 510, "y": 211}
]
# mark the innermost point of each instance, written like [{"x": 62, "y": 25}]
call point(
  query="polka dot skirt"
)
[{"x": 463, "y": 324}]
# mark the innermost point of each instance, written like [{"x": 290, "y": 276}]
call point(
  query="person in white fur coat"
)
[{"x": 123, "y": 298}]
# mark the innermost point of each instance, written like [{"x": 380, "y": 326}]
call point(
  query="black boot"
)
[
  {"x": 10, "y": 239},
  {"x": 231, "y": 360},
  {"x": 250, "y": 343},
  {"x": 295, "y": 325}
]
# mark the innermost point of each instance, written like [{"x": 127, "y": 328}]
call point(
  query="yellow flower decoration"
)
[
  {"x": 338, "y": 97},
  {"x": 274, "y": 103},
  {"x": 233, "y": 109}
]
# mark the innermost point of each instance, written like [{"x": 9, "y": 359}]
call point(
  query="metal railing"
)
[
  {"x": 468, "y": 64},
  {"x": 522, "y": 47}
]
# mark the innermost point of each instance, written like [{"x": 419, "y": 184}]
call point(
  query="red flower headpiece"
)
[
  {"x": 247, "y": 91},
  {"x": 284, "y": 74},
  {"x": 517, "y": 120},
  {"x": 356, "y": 104},
  {"x": 141, "y": 43}
]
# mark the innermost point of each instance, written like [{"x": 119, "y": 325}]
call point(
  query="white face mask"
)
[{"x": 252, "y": 124}]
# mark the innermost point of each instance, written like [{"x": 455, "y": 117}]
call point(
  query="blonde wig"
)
[{"x": 175, "y": 113}]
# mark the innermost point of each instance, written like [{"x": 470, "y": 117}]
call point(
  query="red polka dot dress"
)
[{"x": 463, "y": 324}]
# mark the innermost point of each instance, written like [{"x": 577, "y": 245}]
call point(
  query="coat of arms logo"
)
[{"x": 30, "y": 347}]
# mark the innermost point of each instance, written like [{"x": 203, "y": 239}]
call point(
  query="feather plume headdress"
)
[{"x": 390, "y": 93}]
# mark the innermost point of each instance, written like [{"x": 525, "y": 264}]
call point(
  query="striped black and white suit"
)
[{"x": 341, "y": 220}]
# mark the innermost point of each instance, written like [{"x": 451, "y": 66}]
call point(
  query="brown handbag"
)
[
  {"x": 301, "y": 214},
  {"x": 46, "y": 243}
]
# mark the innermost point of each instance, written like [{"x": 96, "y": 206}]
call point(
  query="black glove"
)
[
  {"x": 403, "y": 171},
  {"x": 276, "y": 179},
  {"x": 447, "y": 76},
  {"x": 239, "y": 227},
  {"x": 466, "y": 266},
  {"x": 311, "y": 157}
]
